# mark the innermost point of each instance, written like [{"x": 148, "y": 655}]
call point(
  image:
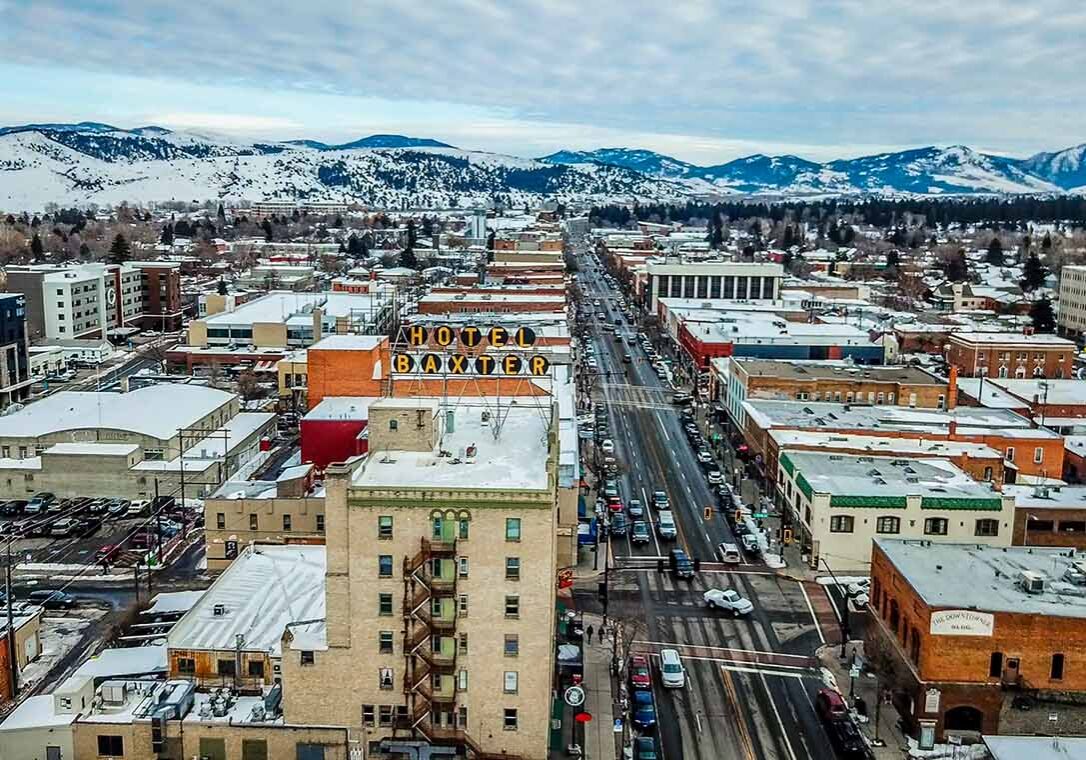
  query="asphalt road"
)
[{"x": 750, "y": 682}]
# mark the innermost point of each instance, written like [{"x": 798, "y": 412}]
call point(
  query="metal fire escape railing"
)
[{"x": 421, "y": 588}]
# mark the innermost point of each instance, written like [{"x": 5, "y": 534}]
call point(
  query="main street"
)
[{"x": 750, "y": 681}]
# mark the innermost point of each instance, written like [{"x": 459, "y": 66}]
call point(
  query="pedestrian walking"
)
[{"x": 588, "y": 632}]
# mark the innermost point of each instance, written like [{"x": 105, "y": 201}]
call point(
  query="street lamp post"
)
[
  {"x": 843, "y": 615},
  {"x": 11, "y": 625}
]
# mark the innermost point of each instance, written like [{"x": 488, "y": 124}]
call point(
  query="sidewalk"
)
[
  {"x": 600, "y": 740},
  {"x": 865, "y": 687}
]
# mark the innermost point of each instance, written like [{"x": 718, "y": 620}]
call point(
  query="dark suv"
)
[{"x": 681, "y": 564}]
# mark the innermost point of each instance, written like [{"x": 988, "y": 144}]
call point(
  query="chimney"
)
[
  {"x": 952, "y": 387},
  {"x": 952, "y": 429}
]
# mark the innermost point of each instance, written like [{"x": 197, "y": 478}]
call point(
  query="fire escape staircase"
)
[{"x": 422, "y": 662}]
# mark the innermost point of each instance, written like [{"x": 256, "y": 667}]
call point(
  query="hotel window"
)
[
  {"x": 385, "y": 713},
  {"x": 253, "y": 522},
  {"x": 305, "y": 657},
  {"x": 463, "y": 529},
  {"x": 384, "y": 604},
  {"x": 463, "y": 605},
  {"x": 368, "y": 715},
  {"x": 512, "y": 568},
  {"x": 384, "y": 566},
  {"x": 512, "y": 645},
  {"x": 220, "y": 520},
  {"x": 384, "y": 527},
  {"x": 1010, "y": 454},
  {"x": 841, "y": 524},
  {"x": 512, "y": 606},
  {"x": 320, "y": 523},
  {"x": 510, "y": 682},
  {"x": 110, "y": 746},
  {"x": 512, "y": 529},
  {"x": 1038, "y": 455},
  {"x": 462, "y": 564},
  {"x": 384, "y": 642},
  {"x": 463, "y": 643},
  {"x": 1056, "y": 673},
  {"x": 509, "y": 722},
  {"x": 987, "y": 528},
  {"x": 286, "y": 522}
]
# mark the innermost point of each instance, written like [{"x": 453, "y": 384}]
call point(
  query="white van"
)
[
  {"x": 729, "y": 554},
  {"x": 672, "y": 674},
  {"x": 666, "y": 524}
]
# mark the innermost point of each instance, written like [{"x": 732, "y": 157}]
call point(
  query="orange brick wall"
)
[
  {"x": 345, "y": 373},
  {"x": 967, "y": 358}
]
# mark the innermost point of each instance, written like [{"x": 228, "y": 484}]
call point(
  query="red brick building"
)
[
  {"x": 1013, "y": 355},
  {"x": 965, "y": 635}
]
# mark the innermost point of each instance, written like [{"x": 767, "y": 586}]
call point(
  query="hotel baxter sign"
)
[{"x": 471, "y": 336}]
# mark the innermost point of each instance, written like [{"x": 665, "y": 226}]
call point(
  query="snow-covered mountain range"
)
[{"x": 89, "y": 162}]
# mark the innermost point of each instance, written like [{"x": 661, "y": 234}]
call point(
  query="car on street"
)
[
  {"x": 705, "y": 457},
  {"x": 38, "y": 502},
  {"x": 847, "y": 740},
  {"x": 672, "y": 672},
  {"x": 52, "y": 600},
  {"x": 665, "y": 524},
  {"x": 750, "y": 543},
  {"x": 138, "y": 508},
  {"x": 830, "y": 705},
  {"x": 117, "y": 507},
  {"x": 725, "y": 490},
  {"x": 858, "y": 587},
  {"x": 715, "y": 477},
  {"x": 681, "y": 564},
  {"x": 660, "y": 500},
  {"x": 636, "y": 509},
  {"x": 645, "y": 748},
  {"x": 729, "y": 554},
  {"x": 691, "y": 429},
  {"x": 639, "y": 532},
  {"x": 640, "y": 675},
  {"x": 615, "y": 504},
  {"x": 627, "y": 359},
  {"x": 728, "y": 600},
  {"x": 610, "y": 488},
  {"x": 107, "y": 553},
  {"x": 644, "y": 710},
  {"x": 619, "y": 524},
  {"x": 608, "y": 446},
  {"x": 13, "y": 508},
  {"x": 682, "y": 397}
]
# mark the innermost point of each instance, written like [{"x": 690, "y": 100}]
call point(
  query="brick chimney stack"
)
[{"x": 952, "y": 387}]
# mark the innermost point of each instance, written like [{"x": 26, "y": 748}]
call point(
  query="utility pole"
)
[
  {"x": 11, "y": 628},
  {"x": 158, "y": 524},
  {"x": 843, "y": 619}
]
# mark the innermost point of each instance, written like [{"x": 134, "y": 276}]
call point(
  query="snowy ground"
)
[{"x": 59, "y": 635}]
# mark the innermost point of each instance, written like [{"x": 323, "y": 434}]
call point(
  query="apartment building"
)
[
  {"x": 994, "y": 354},
  {"x": 1071, "y": 320},
  {"x": 15, "y": 374},
  {"x": 838, "y": 503},
  {"x": 440, "y": 592},
  {"x": 970, "y": 631}
]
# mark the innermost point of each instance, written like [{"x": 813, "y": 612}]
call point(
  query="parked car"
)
[
  {"x": 13, "y": 508},
  {"x": 619, "y": 524},
  {"x": 750, "y": 543},
  {"x": 118, "y": 507},
  {"x": 65, "y": 527},
  {"x": 143, "y": 540},
  {"x": 682, "y": 397},
  {"x": 98, "y": 506},
  {"x": 52, "y": 600},
  {"x": 165, "y": 503},
  {"x": 610, "y": 488},
  {"x": 608, "y": 446},
  {"x": 639, "y": 533},
  {"x": 715, "y": 477},
  {"x": 856, "y": 588},
  {"x": 672, "y": 672},
  {"x": 640, "y": 675},
  {"x": 644, "y": 710},
  {"x": 830, "y": 705},
  {"x": 615, "y": 504},
  {"x": 705, "y": 457},
  {"x": 636, "y": 509},
  {"x": 847, "y": 740},
  {"x": 89, "y": 525},
  {"x": 681, "y": 564},
  {"x": 138, "y": 508},
  {"x": 107, "y": 553},
  {"x": 728, "y": 600},
  {"x": 645, "y": 748}
]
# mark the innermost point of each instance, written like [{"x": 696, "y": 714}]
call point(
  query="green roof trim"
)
[
  {"x": 786, "y": 463},
  {"x": 943, "y": 502},
  {"x": 872, "y": 502},
  {"x": 804, "y": 486}
]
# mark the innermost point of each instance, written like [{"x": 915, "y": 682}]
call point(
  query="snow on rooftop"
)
[
  {"x": 878, "y": 444},
  {"x": 854, "y": 475},
  {"x": 260, "y": 592},
  {"x": 124, "y": 661},
  {"x": 157, "y": 411},
  {"x": 36, "y": 712},
  {"x": 173, "y": 601},
  {"x": 1036, "y": 339},
  {"x": 517, "y": 459},
  {"x": 349, "y": 342},
  {"x": 99, "y": 449},
  {"x": 935, "y": 570},
  {"x": 279, "y": 306},
  {"x": 341, "y": 408}
]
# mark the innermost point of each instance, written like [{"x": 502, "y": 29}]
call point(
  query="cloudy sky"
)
[{"x": 703, "y": 80}]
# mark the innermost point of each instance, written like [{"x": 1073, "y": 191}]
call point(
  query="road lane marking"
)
[
  {"x": 762, "y": 673},
  {"x": 810, "y": 608},
  {"x": 777, "y": 713},
  {"x": 675, "y": 645},
  {"x": 733, "y": 700}
]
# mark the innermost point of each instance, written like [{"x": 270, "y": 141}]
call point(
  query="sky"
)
[{"x": 702, "y": 80}]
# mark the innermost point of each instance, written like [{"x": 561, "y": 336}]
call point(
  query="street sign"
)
[
  {"x": 760, "y": 515},
  {"x": 618, "y": 725},
  {"x": 574, "y": 696}
]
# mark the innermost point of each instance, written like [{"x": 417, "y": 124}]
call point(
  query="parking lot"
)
[{"x": 81, "y": 531}]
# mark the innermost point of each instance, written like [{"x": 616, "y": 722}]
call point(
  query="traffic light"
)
[
  {"x": 601, "y": 590},
  {"x": 738, "y": 515},
  {"x": 787, "y": 535},
  {"x": 708, "y": 513}
]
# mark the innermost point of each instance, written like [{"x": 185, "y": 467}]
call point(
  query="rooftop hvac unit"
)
[
  {"x": 1074, "y": 574},
  {"x": 1032, "y": 582},
  {"x": 114, "y": 693},
  {"x": 218, "y": 610}
]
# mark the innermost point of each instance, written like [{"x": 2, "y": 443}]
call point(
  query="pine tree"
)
[
  {"x": 37, "y": 250},
  {"x": 355, "y": 248},
  {"x": 408, "y": 259},
  {"x": 268, "y": 232},
  {"x": 222, "y": 214},
  {"x": 167, "y": 235},
  {"x": 84, "y": 250},
  {"x": 893, "y": 262},
  {"x": 221, "y": 287},
  {"x": 1046, "y": 244},
  {"x": 1043, "y": 315},
  {"x": 1033, "y": 273},
  {"x": 995, "y": 253},
  {"x": 119, "y": 251},
  {"x": 957, "y": 267}
]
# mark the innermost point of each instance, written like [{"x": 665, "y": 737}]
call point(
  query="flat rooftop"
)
[
  {"x": 283, "y": 306},
  {"x": 1013, "y": 338},
  {"x": 349, "y": 342},
  {"x": 1050, "y": 392},
  {"x": 877, "y": 445},
  {"x": 157, "y": 411},
  {"x": 759, "y": 327},
  {"x": 1047, "y": 497},
  {"x": 497, "y": 295},
  {"x": 853, "y": 475},
  {"x": 768, "y": 413},
  {"x": 260, "y": 593},
  {"x": 935, "y": 571},
  {"x": 510, "y": 455},
  {"x": 835, "y": 370}
]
